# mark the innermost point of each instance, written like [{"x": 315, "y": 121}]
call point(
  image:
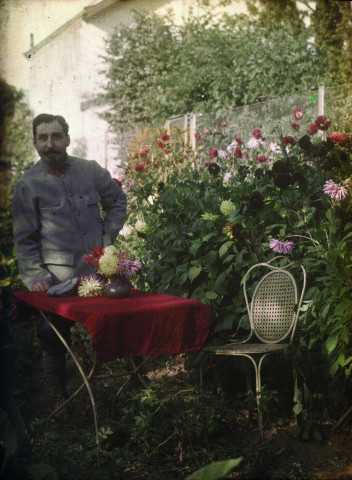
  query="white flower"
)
[
  {"x": 90, "y": 286},
  {"x": 252, "y": 143},
  {"x": 141, "y": 226},
  {"x": 111, "y": 249},
  {"x": 274, "y": 147},
  {"x": 222, "y": 154},
  {"x": 227, "y": 177},
  {"x": 232, "y": 146},
  {"x": 108, "y": 264},
  {"x": 125, "y": 231}
]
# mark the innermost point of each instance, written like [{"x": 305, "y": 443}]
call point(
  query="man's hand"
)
[{"x": 41, "y": 286}]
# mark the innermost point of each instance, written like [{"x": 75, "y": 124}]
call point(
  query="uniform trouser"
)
[{"x": 54, "y": 351}]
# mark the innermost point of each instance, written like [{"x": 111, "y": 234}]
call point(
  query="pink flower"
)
[
  {"x": 197, "y": 136},
  {"x": 339, "y": 138},
  {"x": 335, "y": 191},
  {"x": 205, "y": 131},
  {"x": 206, "y": 164},
  {"x": 257, "y": 134},
  {"x": 288, "y": 140},
  {"x": 213, "y": 153},
  {"x": 295, "y": 126},
  {"x": 237, "y": 152},
  {"x": 92, "y": 258},
  {"x": 281, "y": 247},
  {"x": 322, "y": 122},
  {"x": 160, "y": 144},
  {"x": 312, "y": 129},
  {"x": 165, "y": 137},
  {"x": 298, "y": 114},
  {"x": 262, "y": 159},
  {"x": 223, "y": 124},
  {"x": 239, "y": 141}
]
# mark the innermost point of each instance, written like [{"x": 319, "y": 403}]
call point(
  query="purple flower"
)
[
  {"x": 281, "y": 247},
  {"x": 335, "y": 191}
]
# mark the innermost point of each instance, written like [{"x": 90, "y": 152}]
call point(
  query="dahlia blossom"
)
[
  {"x": 339, "y": 138},
  {"x": 239, "y": 141},
  {"x": 227, "y": 207},
  {"x": 288, "y": 140},
  {"x": 313, "y": 128},
  {"x": 213, "y": 153},
  {"x": 160, "y": 144},
  {"x": 90, "y": 286},
  {"x": 92, "y": 258},
  {"x": 297, "y": 114},
  {"x": 335, "y": 191},
  {"x": 295, "y": 126},
  {"x": 262, "y": 159},
  {"x": 141, "y": 226},
  {"x": 197, "y": 136},
  {"x": 206, "y": 131},
  {"x": 257, "y": 134},
  {"x": 139, "y": 167},
  {"x": 222, "y": 154},
  {"x": 322, "y": 122},
  {"x": 209, "y": 216},
  {"x": 237, "y": 152},
  {"x": 274, "y": 147},
  {"x": 108, "y": 264},
  {"x": 252, "y": 143},
  {"x": 223, "y": 124},
  {"x": 165, "y": 137},
  {"x": 281, "y": 247}
]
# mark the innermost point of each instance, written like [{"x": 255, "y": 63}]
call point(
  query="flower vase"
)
[{"x": 117, "y": 287}]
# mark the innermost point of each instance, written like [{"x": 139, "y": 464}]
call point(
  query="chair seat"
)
[{"x": 242, "y": 348}]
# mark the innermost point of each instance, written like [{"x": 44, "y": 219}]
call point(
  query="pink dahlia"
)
[
  {"x": 223, "y": 124},
  {"x": 213, "y": 153},
  {"x": 205, "y": 131},
  {"x": 160, "y": 144},
  {"x": 281, "y": 247},
  {"x": 295, "y": 126},
  {"x": 239, "y": 141},
  {"x": 257, "y": 134},
  {"x": 288, "y": 140},
  {"x": 313, "y": 128},
  {"x": 139, "y": 167},
  {"x": 322, "y": 122},
  {"x": 334, "y": 190},
  {"x": 298, "y": 114},
  {"x": 339, "y": 138},
  {"x": 262, "y": 159},
  {"x": 197, "y": 136}
]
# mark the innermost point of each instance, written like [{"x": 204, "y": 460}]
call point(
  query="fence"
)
[{"x": 272, "y": 116}]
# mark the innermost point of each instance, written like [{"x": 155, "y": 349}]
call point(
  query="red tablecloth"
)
[{"x": 143, "y": 324}]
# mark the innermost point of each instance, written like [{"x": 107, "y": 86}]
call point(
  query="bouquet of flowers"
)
[{"x": 109, "y": 263}]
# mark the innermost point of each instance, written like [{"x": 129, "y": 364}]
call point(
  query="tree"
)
[{"x": 156, "y": 69}]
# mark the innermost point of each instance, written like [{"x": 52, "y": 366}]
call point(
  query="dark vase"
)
[{"x": 117, "y": 288}]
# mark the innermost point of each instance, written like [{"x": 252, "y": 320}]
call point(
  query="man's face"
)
[{"x": 51, "y": 142}]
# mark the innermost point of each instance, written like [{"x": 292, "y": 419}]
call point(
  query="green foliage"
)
[
  {"x": 216, "y": 470},
  {"x": 213, "y": 217},
  {"x": 158, "y": 69}
]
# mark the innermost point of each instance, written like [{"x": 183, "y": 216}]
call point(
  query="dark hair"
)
[{"x": 48, "y": 118}]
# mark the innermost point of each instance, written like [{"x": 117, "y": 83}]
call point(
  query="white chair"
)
[{"x": 273, "y": 313}]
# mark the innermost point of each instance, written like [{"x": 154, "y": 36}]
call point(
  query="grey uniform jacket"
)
[{"x": 56, "y": 218}]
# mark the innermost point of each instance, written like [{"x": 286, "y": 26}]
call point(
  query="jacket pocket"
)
[
  {"x": 53, "y": 257},
  {"x": 91, "y": 198}
]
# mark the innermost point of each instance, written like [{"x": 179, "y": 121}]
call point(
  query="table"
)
[{"x": 142, "y": 324}]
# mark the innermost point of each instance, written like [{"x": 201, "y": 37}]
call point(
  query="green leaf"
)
[
  {"x": 331, "y": 343},
  {"x": 195, "y": 247},
  {"x": 211, "y": 295},
  {"x": 216, "y": 470},
  {"x": 223, "y": 249},
  {"x": 194, "y": 272}
]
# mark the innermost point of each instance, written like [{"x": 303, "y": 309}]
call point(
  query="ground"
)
[{"x": 167, "y": 430}]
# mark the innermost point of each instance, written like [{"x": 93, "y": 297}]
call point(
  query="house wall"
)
[{"x": 64, "y": 73}]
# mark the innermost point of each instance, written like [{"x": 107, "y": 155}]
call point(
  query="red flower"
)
[
  {"x": 206, "y": 164},
  {"x": 160, "y": 144},
  {"x": 295, "y": 126},
  {"x": 205, "y": 131},
  {"x": 239, "y": 141},
  {"x": 139, "y": 167},
  {"x": 213, "y": 153},
  {"x": 197, "y": 136},
  {"x": 262, "y": 159},
  {"x": 92, "y": 258},
  {"x": 257, "y": 134},
  {"x": 223, "y": 124},
  {"x": 312, "y": 129},
  {"x": 288, "y": 140},
  {"x": 165, "y": 137},
  {"x": 322, "y": 122},
  {"x": 166, "y": 151},
  {"x": 339, "y": 138},
  {"x": 237, "y": 152},
  {"x": 298, "y": 114}
]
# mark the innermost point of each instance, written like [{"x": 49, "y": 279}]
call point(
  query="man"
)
[{"x": 56, "y": 219}]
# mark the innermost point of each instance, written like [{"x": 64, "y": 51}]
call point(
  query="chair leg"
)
[{"x": 249, "y": 392}]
